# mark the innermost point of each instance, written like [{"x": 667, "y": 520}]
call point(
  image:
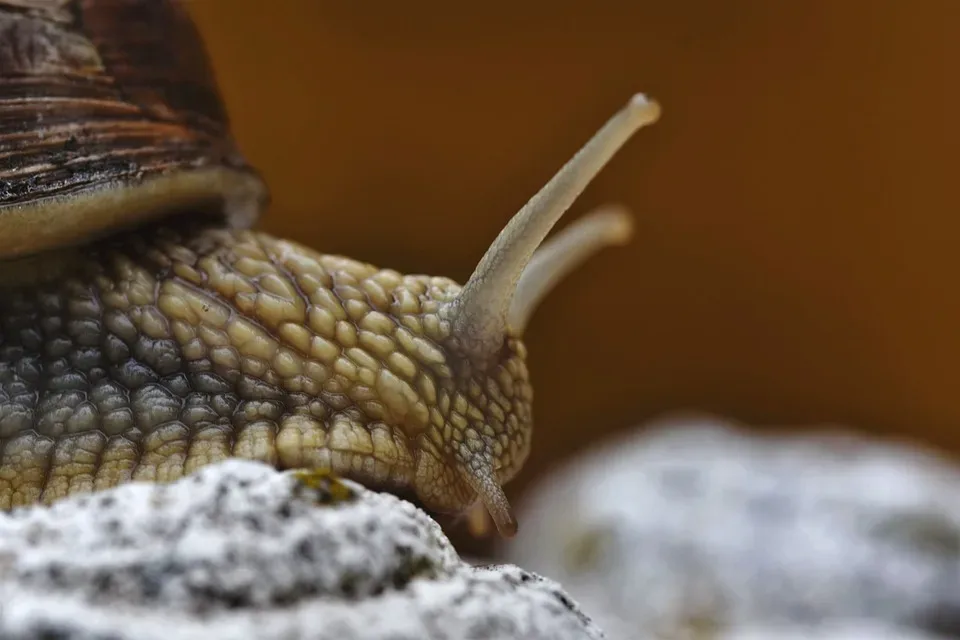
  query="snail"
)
[{"x": 147, "y": 329}]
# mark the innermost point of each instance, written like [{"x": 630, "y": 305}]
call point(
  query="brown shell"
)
[{"x": 109, "y": 116}]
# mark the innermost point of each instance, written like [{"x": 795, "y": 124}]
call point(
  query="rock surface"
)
[
  {"x": 239, "y": 550},
  {"x": 694, "y": 523}
]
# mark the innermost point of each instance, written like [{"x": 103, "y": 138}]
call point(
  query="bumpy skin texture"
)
[{"x": 158, "y": 351}]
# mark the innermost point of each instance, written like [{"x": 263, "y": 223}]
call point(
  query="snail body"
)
[{"x": 147, "y": 330}]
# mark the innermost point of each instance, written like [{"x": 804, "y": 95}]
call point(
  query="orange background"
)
[{"x": 797, "y": 204}]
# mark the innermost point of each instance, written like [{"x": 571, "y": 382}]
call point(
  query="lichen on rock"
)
[{"x": 240, "y": 550}]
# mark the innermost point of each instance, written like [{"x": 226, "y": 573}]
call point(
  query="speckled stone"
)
[
  {"x": 695, "y": 523},
  {"x": 239, "y": 550}
]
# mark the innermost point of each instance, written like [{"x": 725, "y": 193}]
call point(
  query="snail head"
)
[{"x": 480, "y": 423}]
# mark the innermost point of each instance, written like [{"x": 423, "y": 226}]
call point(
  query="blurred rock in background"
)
[{"x": 696, "y": 523}]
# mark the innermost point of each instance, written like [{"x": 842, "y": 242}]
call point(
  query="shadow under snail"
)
[{"x": 146, "y": 330}]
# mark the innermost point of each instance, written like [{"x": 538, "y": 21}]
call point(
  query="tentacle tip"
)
[
  {"x": 619, "y": 225},
  {"x": 492, "y": 497},
  {"x": 645, "y": 106},
  {"x": 507, "y": 525},
  {"x": 500, "y": 512}
]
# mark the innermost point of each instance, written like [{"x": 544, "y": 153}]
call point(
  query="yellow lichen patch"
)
[
  {"x": 74, "y": 465},
  {"x": 23, "y": 469},
  {"x": 328, "y": 487}
]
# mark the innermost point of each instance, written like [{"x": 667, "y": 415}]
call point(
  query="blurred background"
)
[{"x": 794, "y": 260}]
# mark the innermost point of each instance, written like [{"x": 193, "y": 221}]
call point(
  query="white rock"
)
[
  {"x": 239, "y": 550},
  {"x": 693, "y": 519}
]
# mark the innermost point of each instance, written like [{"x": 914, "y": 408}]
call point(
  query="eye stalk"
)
[
  {"x": 562, "y": 253},
  {"x": 516, "y": 272},
  {"x": 481, "y": 313}
]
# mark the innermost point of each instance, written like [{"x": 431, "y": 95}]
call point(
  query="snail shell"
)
[
  {"x": 110, "y": 119},
  {"x": 146, "y": 330}
]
